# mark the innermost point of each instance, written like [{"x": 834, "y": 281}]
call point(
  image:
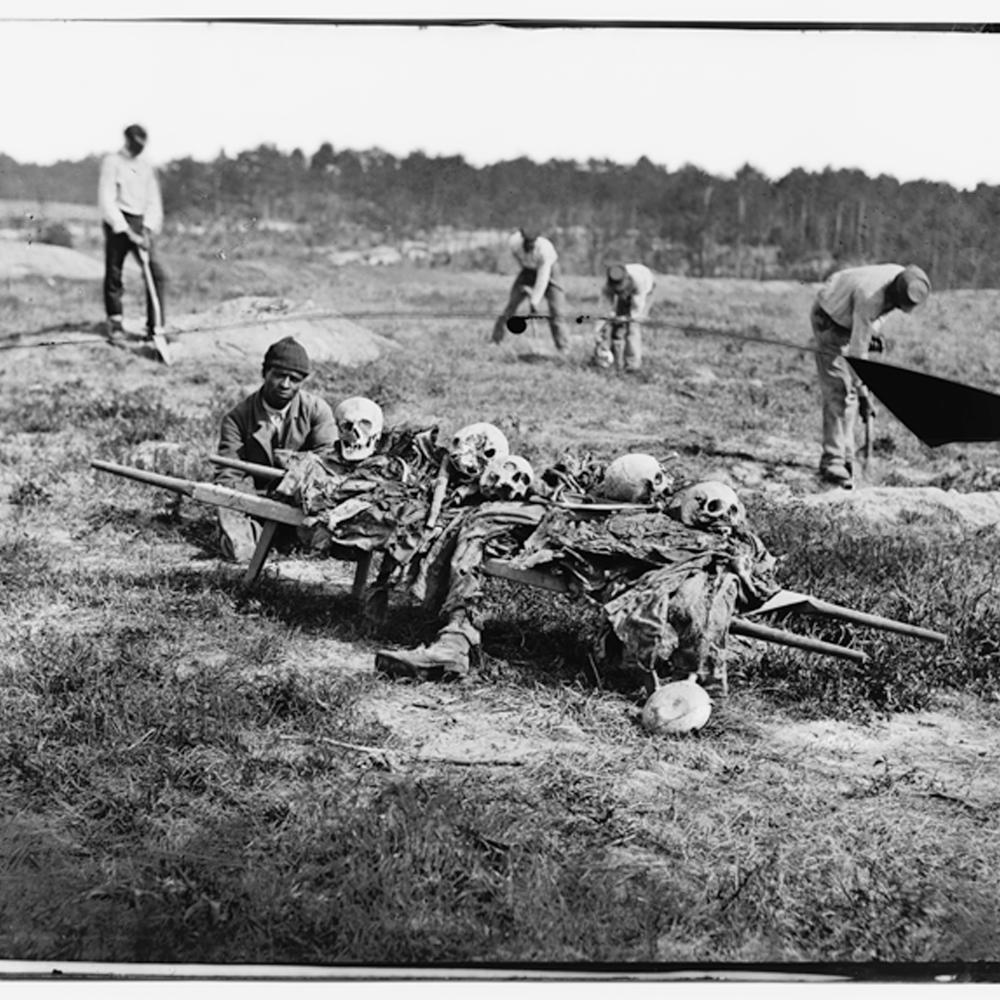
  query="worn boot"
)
[
  {"x": 838, "y": 473},
  {"x": 446, "y": 659}
]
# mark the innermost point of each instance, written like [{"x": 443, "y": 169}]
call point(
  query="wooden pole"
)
[
  {"x": 251, "y": 468},
  {"x": 209, "y": 493},
  {"x": 789, "y": 600},
  {"x": 737, "y": 626},
  {"x": 754, "y": 630}
]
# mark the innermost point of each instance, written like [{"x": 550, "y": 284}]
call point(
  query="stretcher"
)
[{"x": 272, "y": 513}]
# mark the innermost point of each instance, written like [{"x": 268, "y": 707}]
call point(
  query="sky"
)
[{"x": 904, "y": 102}]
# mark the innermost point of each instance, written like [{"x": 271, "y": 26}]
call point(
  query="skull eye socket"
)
[
  {"x": 489, "y": 451},
  {"x": 365, "y": 426}
]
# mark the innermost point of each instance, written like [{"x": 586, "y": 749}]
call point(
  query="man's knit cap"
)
[{"x": 290, "y": 354}]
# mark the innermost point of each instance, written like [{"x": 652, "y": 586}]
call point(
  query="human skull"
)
[
  {"x": 476, "y": 445},
  {"x": 677, "y": 707},
  {"x": 359, "y": 427},
  {"x": 710, "y": 505},
  {"x": 508, "y": 478},
  {"x": 633, "y": 478}
]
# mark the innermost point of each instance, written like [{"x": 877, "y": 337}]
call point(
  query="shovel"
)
[{"x": 159, "y": 340}]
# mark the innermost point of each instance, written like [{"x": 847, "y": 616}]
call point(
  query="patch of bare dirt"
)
[
  {"x": 19, "y": 260},
  {"x": 941, "y": 755},
  {"x": 906, "y": 504},
  {"x": 243, "y": 329},
  {"x": 434, "y": 724}
]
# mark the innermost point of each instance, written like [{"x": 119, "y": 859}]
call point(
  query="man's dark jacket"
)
[{"x": 247, "y": 434}]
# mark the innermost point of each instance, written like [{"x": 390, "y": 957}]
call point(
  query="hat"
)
[
  {"x": 288, "y": 353},
  {"x": 913, "y": 285},
  {"x": 135, "y": 132},
  {"x": 529, "y": 234},
  {"x": 617, "y": 274}
]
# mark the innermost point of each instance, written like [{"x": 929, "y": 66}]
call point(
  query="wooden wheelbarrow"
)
[{"x": 271, "y": 513}]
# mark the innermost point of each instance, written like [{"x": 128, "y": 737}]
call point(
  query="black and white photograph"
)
[{"x": 500, "y": 493}]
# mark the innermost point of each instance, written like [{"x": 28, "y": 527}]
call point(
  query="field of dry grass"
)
[{"x": 194, "y": 774}]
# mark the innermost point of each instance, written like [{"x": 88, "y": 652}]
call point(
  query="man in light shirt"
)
[
  {"x": 280, "y": 414},
  {"x": 537, "y": 278},
  {"x": 626, "y": 292},
  {"x": 847, "y": 313},
  {"x": 128, "y": 197}
]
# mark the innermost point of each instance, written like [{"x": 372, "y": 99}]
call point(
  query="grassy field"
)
[{"x": 194, "y": 774}]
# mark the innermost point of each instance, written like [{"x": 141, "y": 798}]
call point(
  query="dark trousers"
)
[{"x": 117, "y": 246}]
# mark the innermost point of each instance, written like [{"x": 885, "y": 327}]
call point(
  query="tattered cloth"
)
[
  {"x": 380, "y": 503},
  {"x": 668, "y": 591}
]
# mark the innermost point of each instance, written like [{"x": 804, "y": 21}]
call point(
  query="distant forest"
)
[{"x": 802, "y": 225}]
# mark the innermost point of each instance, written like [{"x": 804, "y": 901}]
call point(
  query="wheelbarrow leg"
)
[
  {"x": 260, "y": 553},
  {"x": 361, "y": 575}
]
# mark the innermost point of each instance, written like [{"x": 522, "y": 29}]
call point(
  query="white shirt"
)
[
  {"x": 276, "y": 418},
  {"x": 129, "y": 184},
  {"x": 540, "y": 259},
  {"x": 644, "y": 282},
  {"x": 855, "y": 299}
]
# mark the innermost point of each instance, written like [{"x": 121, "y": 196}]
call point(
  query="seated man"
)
[{"x": 280, "y": 414}]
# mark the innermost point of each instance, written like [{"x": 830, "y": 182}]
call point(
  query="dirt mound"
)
[
  {"x": 890, "y": 503},
  {"x": 245, "y": 327},
  {"x": 20, "y": 260}
]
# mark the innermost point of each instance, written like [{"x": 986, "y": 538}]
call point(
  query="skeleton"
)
[
  {"x": 634, "y": 478},
  {"x": 359, "y": 428},
  {"x": 709, "y": 505},
  {"x": 507, "y": 478},
  {"x": 474, "y": 447}
]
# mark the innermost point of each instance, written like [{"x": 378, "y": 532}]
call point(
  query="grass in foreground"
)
[{"x": 170, "y": 791}]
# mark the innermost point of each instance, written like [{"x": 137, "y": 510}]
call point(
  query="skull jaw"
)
[
  {"x": 721, "y": 521},
  {"x": 507, "y": 492},
  {"x": 357, "y": 451},
  {"x": 467, "y": 466}
]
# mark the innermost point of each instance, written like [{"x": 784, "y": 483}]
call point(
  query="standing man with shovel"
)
[
  {"x": 131, "y": 208},
  {"x": 847, "y": 313},
  {"x": 537, "y": 278}
]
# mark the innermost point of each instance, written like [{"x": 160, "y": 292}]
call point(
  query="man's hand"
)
[
  {"x": 866, "y": 408},
  {"x": 139, "y": 239}
]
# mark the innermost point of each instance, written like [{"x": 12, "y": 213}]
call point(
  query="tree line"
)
[{"x": 802, "y": 225}]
